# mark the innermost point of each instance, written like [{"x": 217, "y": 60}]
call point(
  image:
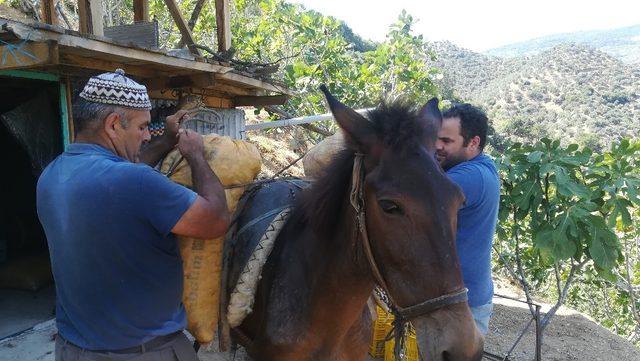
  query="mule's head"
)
[{"x": 411, "y": 210}]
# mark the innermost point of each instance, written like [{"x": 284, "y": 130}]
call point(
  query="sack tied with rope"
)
[{"x": 235, "y": 162}]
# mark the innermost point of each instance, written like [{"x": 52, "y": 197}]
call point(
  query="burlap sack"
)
[
  {"x": 234, "y": 162},
  {"x": 319, "y": 157}
]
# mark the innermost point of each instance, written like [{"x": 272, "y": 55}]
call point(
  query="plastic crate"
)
[
  {"x": 411, "y": 345},
  {"x": 381, "y": 328}
]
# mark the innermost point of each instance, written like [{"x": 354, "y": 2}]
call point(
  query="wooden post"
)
[
  {"x": 223, "y": 25},
  {"x": 140, "y": 10},
  {"x": 90, "y": 14},
  {"x": 187, "y": 37},
  {"x": 48, "y": 12}
]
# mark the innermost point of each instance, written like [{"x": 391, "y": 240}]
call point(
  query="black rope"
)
[
  {"x": 398, "y": 333},
  {"x": 400, "y": 326}
]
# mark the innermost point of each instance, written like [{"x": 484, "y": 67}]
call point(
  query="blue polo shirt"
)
[
  {"x": 477, "y": 220},
  {"x": 116, "y": 264}
]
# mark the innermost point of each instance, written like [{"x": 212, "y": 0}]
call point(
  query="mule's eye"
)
[{"x": 390, "y": 207}]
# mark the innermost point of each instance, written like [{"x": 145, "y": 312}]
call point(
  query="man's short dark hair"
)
[
  {"x": 473, "y": 121},
  {"x": 86, "y": 113}
]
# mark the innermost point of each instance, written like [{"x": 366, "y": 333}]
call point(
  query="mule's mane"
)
[{"x": 397, "y": 126}]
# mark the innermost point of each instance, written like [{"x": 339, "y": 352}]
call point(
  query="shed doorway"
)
[{"x": 30, "y": 137}]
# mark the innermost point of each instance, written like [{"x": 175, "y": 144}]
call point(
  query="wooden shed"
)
[{"x": 42, "y": 67}]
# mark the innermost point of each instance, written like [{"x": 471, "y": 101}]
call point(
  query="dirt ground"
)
[{"x": 571, "y": 335}]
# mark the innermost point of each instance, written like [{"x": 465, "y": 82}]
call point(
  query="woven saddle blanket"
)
[{"x": 261, "y": 214}]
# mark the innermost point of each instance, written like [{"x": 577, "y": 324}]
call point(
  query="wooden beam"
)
[
  {"x": 260, "y": 100},
  {"x": 223, "y": 25},
  {"x": 210, "y": 101},
  {"x": 106, "y": 65},
  {"x": 117, "y": 52},
  {"x": 90, "y": 17},
  {"x": 28, "y": 55},
  {"x": 184, "y": 81},
  {"x": 234, "y": 90},
  {"x": 187, "y": 37},
  {"x": 140, "y": 10},
  {"x": 96, "y": 17},
  {"x": 48, "y": 12},
  {"x": 243, "y": 80}
]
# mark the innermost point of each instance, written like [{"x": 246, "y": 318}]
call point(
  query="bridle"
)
[{"x": 402, "y": 314}]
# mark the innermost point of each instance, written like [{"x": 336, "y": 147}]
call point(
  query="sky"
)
[{"x": 483, "y": 24}]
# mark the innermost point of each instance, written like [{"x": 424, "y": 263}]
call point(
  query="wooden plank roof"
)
[{"x": 38, "y": 46}]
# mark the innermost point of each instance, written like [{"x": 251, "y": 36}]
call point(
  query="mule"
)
[{"x": 384, "y": 213}]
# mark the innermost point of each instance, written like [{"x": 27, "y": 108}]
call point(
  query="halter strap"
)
[
  {"x": 357, "y": 201},
  {"x": 402, "y": 314}
]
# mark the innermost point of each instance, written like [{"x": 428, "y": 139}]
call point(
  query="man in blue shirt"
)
[
  {"x": 111, "y": 220},
  {"x": 461, "y": 141}
]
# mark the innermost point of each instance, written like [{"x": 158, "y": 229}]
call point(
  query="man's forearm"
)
[
  {"x": 206, "y": 183},
  {"x": 156, "y": 150}
]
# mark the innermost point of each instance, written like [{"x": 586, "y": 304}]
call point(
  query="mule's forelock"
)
[{"x": 400, "y": 124}]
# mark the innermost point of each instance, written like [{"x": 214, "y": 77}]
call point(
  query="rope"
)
[{"x": 174, "y": 166}]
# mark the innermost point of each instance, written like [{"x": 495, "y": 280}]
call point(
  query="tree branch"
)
[
  {"x": 630, "y": 287},
  {"x": 563, "y": 294},
  {"x": 522, "y": 279},
  {"x": 195, "y": 14},
  {"x": 193, "y": 19},
  {"x": 556, "y": 272},
  {"x": 63, "y": 15}
]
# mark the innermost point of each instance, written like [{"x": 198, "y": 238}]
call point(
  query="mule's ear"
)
[
  {"x": 360, "y": 133},
  {"x": 432, "y": 118}
]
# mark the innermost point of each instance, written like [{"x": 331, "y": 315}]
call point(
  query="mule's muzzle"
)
[{"x": 449, "y": 334}]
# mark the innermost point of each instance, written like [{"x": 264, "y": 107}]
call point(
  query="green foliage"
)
[
  {"x": 316, "y": 49},
  {"x": 564, "y": 210}
]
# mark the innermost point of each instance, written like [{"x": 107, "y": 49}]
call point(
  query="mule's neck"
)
[{"x": 336, "y": 273}]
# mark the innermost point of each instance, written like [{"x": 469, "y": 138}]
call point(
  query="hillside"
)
[
  {"x": 571, "y": 92},
  {"x": 621, "y": 43}
]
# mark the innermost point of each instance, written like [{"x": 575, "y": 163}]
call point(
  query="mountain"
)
[
  {"x": 622, "y": 43},
  {"x": 570, "y": 92}
]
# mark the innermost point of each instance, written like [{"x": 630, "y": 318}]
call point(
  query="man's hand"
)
[
  {"x": 190, "y": 144},
  {"x": 173, "y": 122},
  {"x": 160, "y": 146},
  {"x": 208, "y": 217}
]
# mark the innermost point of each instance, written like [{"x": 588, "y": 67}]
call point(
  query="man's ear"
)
[
  {"x": 474, "y": 143},
  {"x": 360, "y": 134},
  {"x": 111, "y": 124}
]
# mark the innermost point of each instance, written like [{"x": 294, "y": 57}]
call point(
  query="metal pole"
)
[{"x": 296, "y": 121}]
